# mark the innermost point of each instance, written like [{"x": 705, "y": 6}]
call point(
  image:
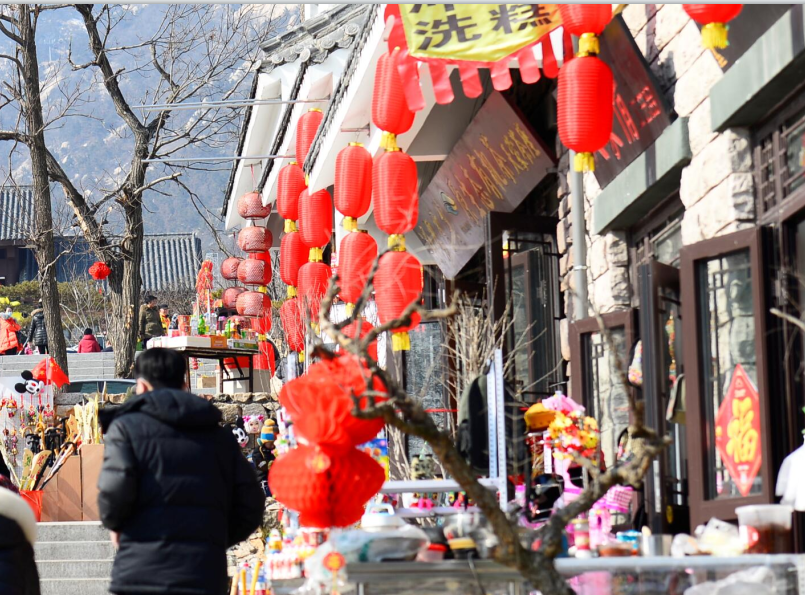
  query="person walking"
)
[
  {"x": 88, "y": 343},
  {"x": 18, "y": 573},
  {"x": 150, "y": 321},
  {"x": 9, "y": 335},
  {"x": 175, "y": 489},
  {"x": 38, "y": 334}
]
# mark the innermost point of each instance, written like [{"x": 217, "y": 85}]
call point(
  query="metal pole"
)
[
  {"x": 579, "y": 241},
  {"x": 222, "y": 158}
]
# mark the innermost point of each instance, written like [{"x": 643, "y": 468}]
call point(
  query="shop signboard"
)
[
  {"x": 641, "y": 112},
  {"x": 492, "y": 167},
  {"x": 738, "y": 431}
]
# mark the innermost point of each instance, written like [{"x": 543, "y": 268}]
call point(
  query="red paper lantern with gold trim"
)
[
  {"x": 353, "y": 184},
  {"x": 398, "y": 283},
  {"x": 290, "y": 183},
  {"x": 390, "y": 110},
  {"x": 327, "y": 487},
  {"x": 99, "y": 271},
  {"x": 250, "y": 206},
  {"x": 252, "y": 303},
  {"x": 293, "y": 324},
  {"x": 293, "y": 254},
  {"x": 229, "y": 299},
  {"x": 315, "y": 218},
  {"x": 255, "y": 271},
  {"x": 587, "y": 22},
  {"x": 714, "y": 18},
  {"x": 585, "y": 97},
  {"x": 314, "y": 278},
  {"x": 255, "y": 239},
  {"x": 394, "y": 180},
  {"x": 229, "y": 268},
  {"x": 355, "y": 259},
  {"x": 306, "y": 130}
]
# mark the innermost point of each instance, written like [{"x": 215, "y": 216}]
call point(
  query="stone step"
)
[
  {"x": 74, "y": 569},
  {"x": 74, "y": 550},
  {"x": 74, "y": 586},
  {"x": 75, "y": 531}
]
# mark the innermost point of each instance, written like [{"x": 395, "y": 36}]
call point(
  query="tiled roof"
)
[
  {"x": 170, "y": 260},
  {"x": 16, "y": 213}
]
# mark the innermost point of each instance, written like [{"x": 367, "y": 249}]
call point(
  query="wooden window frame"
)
[{"x": 702, "y": 509}]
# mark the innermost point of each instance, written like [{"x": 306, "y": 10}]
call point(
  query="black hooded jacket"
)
[{"x": 176, "y": 487}]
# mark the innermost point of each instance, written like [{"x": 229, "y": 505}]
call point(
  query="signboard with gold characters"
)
[{"x": 475, "y": 32}]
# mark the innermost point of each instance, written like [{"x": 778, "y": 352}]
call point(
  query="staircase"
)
[{"x": 74, "y": 558}]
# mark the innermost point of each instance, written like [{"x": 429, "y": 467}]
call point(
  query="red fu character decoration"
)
[{"x": 714, "y": 18}]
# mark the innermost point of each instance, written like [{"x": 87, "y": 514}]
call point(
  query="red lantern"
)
[
  {"x": 252, "y": 303},
  {"x": 355, "y": 260},
  {"x": 351, "y": 330},
  {"x": 290, "y": 183},
  {"x": 585, "y": 97},
  {"x": 390, "y": 110},
  {"x": 327, "y": 488},
  {"x": 255, "y": 239},
  {"x": 255, "y": 271},
  {"x": 394, "y": 180},
  {"x": 293, "y": 324},
  {"x": 99, "y": 271},
  {"x": 306, "y": 130},
  {"x": 353, "y": 184},
  {"x": 314, "y": 277},
  {"x": 315, "y": 218},
  {"x": 587, "y": 22},
  {"x": 293, "y": 254},
  {"x": 250, "y": 206},
  {"x": 714, "y": 17},
  {"x": 229, "y": 268},
  {"x": 229, "y": 299},
  {"x": 398, "y": 283}
]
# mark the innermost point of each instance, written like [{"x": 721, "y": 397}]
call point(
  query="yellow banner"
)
[{"x": 475, "y": 32}]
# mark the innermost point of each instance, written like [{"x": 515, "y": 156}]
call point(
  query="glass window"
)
[
  {"x": 727, "y": 339},
  {"x": 794, "y": 138},
  {"x": 424, "y": 378}
]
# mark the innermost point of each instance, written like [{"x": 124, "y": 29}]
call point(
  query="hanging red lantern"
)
[
  {"x": 587, "y": 22},
  {"x": 255, "y": 271},
  {"x": 255, "y": 239},
  {"x": 229, "y": 299},
  {"x": 252, "y": 303},
  {"x": 394, "y": 180},
  {"x": 99, "y": 271},
  {"x": 327, "y": 488},
  {"x": 585, "y": 99},
  {"x": 390, "y": 110},
  {"x": 353, "y": 184},
  {"x": 714, "y": 18},
  {"x": 355, "y": 259},
  {"x": 250, "y": 206},
  {"x": 306, "y": 130},
  {"x": 290, "y": 183},
  {"x": 229, "y": 268},
  {"x": 398, "y": 283},
  {"x": 314, "y": 278},
  {"x": 293, "y": 254},
  {"x": 293, "y": 324},
  {"x": 351, "y": 331},
  {"x": 315, "y": 221}
]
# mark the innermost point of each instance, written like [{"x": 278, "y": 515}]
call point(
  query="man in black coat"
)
[{"x": 175, "y": 490}]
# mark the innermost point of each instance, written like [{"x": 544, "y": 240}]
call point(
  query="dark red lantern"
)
[
  {"x": 314, "y": 278},
  {"x": 255, "y": 271},
  {"x": 353, "y": 184},
  {"x": 398, "y": 283},
  {"x": 714, "y": 17},
  {"x": 315, "y": 218},
  {"x": 229, "y": 299},
  {"x": 293, "y": 254},
  {"x": 99, "y": 271},
  {"x": 390, "y": 110},
  {"x": 290, "y": 183},
  {"x": 293, "y": 324},
  {"x": 255, "y": 239},
  {"x": 355, "y": 259},
  {"x": 585, "y": 108},
  {"x": 328, "y": 488},
  {"x": 394, "y": 181},
  {"x": 250, "y": 206},
  {"x": 306, "y": 130},
  {"x": 229, "y": 268},
  {"x": 252, "y": 303},
  {"x": 587, "y": 22},
  {"x": 351, "y": 331}
]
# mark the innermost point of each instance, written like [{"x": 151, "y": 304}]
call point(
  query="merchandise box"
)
[
  {"x": 91, "y": 456},
  {"x": 177, "y": 342},
  {"x": 217, "y": 342}
]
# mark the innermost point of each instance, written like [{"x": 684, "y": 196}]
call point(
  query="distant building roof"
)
[
  {"x": 16, "y": 213},
  {"x": 170, "y": 260}
]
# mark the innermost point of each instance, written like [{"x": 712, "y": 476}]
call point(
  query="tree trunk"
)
[{"x": 43, "y": 219}]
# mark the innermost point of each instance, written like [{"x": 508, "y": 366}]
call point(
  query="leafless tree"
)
[{"x": 198, "y": 52}]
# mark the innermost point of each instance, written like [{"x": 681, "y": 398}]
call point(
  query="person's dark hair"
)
[
  {"x": 161, "y": 368},
  {"x": 150, "y": 298},
  {"x": 164, "y": 307},
  {"x": 88, "y": 331}
]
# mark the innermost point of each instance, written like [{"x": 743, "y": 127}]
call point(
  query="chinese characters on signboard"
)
[
  {"x": 640, "y": 110},
  {"x": 475, "y": 32},
  {"x": 738, "y": 431},
  {"x": 493, "y": 167}
]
